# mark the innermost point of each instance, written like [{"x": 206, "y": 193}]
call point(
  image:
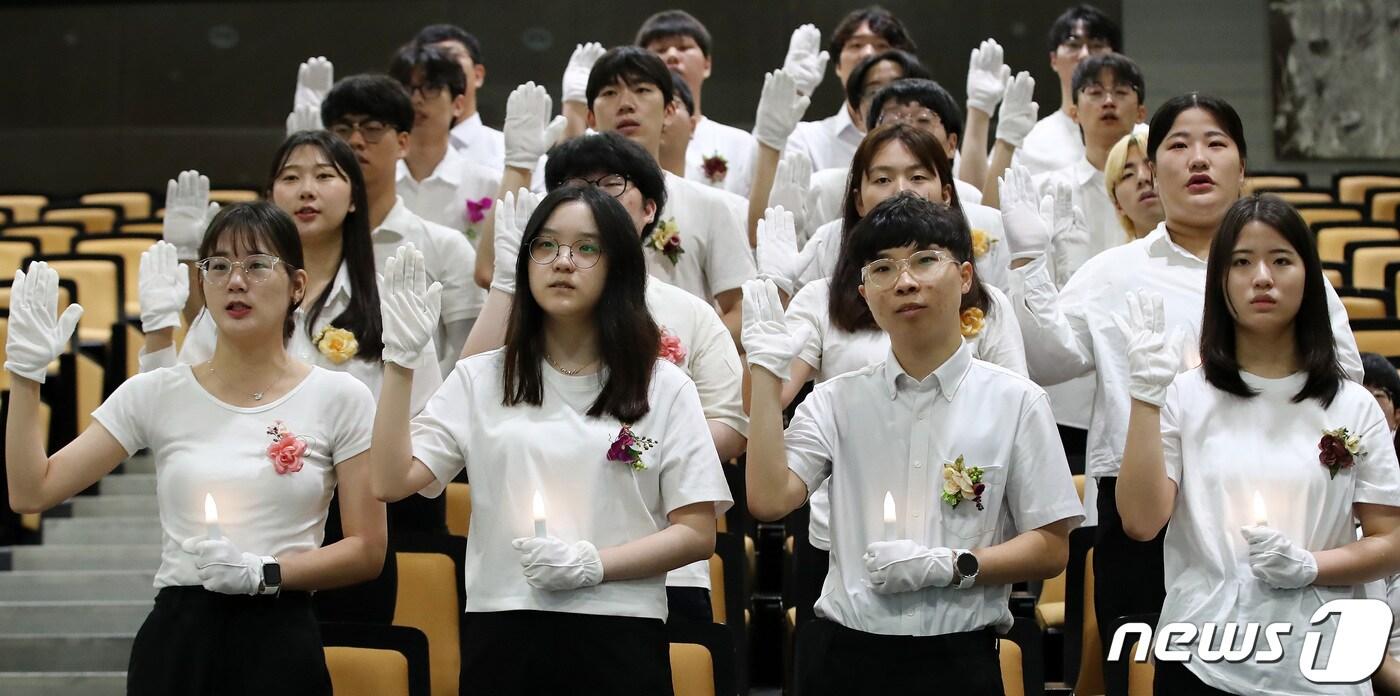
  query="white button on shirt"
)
[
  {"x": 555, "y": 448},
  {"x": 1075, "y": 333},
  {"x": 862, "y": 431},
  {"x": 736, "y": 146},
  {"x": 479, "y": 144},
  {"x": 442, "y": 197},
  {"x": 1220, "y": 450},
  {"x": 1053, "y": 143},
  {"x": 830, "y": 142},
  {"x": 1087, "y": 190},
  {"x": 714, "y": 239}
]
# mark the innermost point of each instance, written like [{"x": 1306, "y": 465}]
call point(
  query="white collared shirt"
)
[
  {"x": 450, "y": 258},
  {"x": 479, "y": 144},
  {"x": 1073, "y": 330},
  {"x": 510, "y": 452},
  {"x": 878, "y": 430},
  {"x": 830, "y": 142},
  {"x": 737, "y": 147},
  {"x": 1222, "y": 450},
  {"x": 1053, "y": 143},
  {"x": 1087, "y": 190},
  {"x": 443, "y": 196},
  {"x": 714, "y": 240}
]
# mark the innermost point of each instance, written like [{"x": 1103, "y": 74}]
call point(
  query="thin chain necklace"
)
[
  {"x": 257, "y": 395},
  {"x": 571, "y": 373}
]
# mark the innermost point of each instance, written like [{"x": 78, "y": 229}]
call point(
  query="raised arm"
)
[
  {"x": 529, "y": 132},
  {"x": 780, "y": 108},
  {"x": 987, "y": 76},
  {"x": 1017, "y": 118},
  {"x": 773, "y": 489}
]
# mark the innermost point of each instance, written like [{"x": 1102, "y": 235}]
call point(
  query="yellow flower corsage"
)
[
  {"x": 981, "y": 243},
  {"x": 971, "y": 322},
  {"x": 666, "y": 238},
  {"x": 338, "y": 345}
]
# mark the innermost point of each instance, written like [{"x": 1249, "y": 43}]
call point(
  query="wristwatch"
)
[
  {"x": 271, "y": 576},
  {"x": 965, "y": 569}
]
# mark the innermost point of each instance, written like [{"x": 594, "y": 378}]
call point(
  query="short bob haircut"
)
[
  {"x": 1123, "y": 69},
  {"x": 925, "y": 93},
  {"x": 908, "y": 63},
  {"x": 900, "y": 221},
  {"x": 631, "y": 66},
  {"x": 1165, "y": 117},
  {"x": 439, "y": 69},
  {"x": 1312, "y": 328},
  {"x": 668, "y": 23},
  {"x": 257, "y": 228},
  {"x": 362, "y": 316},
  {"x": 439, "y": 33},
  {"x": 608, "y": 153},
  {"x": 627, "y": 335},
  {"x": 1097, "y": 25},
  {"x": 378, "y": 97},
  {"x": 1113, "y": 171},
  {"x": 882, "y": 23}
]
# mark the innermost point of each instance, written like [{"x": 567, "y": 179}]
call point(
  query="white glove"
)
[
  {"x": 1026, "y": 231},
  {"x": 528, "y": 130},
  {"x": 1153, "y": 359},
  {"x": 164, "y": 286},
  {"x": 554, "y": 565},
  {"x": 314, "y": 80},
  {"x": 410, "y": 309},
  {"x": 780, "y": 108},
  {"x": 36, "y": 335},
  {"x": 987, "y": 77},
  {"x": 1018, "y": 112},
  {"x": 1069, "y": 242},
  {"x": 1276, "y": 560},
  {"x": 187, "y": 213},
  {"x": 804, "y": 62},
  {"x": 777, "y": 249},
  {"x": 304, "y": 118},
  {"x": 512, "y": 212},
  {"x": 791, "y": 184},
  {"x": 223, "y": 568},
  {"x": 765, "y": 335},
  {"x": 575, "y": 88},
  {"x": 904, "y": 566}
]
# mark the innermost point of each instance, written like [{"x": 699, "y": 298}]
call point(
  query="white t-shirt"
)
[
  {"x": 716, "y": 255},
  {"x": 737, "y": 147},
  {"x": 1053, "y": 143},
  {"x": 1221, "y": 450},
  {"x": 480, "y": 144},
  {"x": 458, "y": 194},
  {"x": 1392, "y": 597},
  {"x": 830, "y": 142},
  {"x": 509, "y": 453},
  {"x": 832, "y": 351},
  {"x": 205, "y": 446},
  {"x": 878, "y": 430},
  {"x": 450, "y": 258}
]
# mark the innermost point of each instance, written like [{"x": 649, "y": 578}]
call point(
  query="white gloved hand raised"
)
[
  {"x": 529, "y": 132},
  {"x": 904, "y": 566},
  {"x": 553, "y": 564},
  {"x": 1153, "y": 359},
  {"x": 315, "y": 78},
  {"x": 575, "y": 86},
  {"x": 1027, "y": 232},
  {"x": 1018, "y": 112},
  {"x": 164, "y": 286},
  {"x": 187, "y": 213},
  {"x": 1276, "y": 560},
  {"x": 780, "y": 109},
  {"x": 512, "y": 213},
  {"x": 987, "y": 77},
  {"x": 37, "y": 335},
  {"x": 1069, "y": 243},
  {"x": 410, "y": 309},
  {"x": 791, "y": 184},
  {"x": 805, "y": 62},
  {"x": 767, "y": 343},
  {"x": 304, "y": 118},
  {"x": 222, "y": 567},
  {"x": 776, "y": 251}
]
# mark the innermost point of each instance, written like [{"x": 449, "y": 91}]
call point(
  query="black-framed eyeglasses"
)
[
  {"x": 256, "y": 268},
  {"x": 429, "y": 91},
  {"x": 584, "y": 254},
  {"x": 612, "y": 184},
  {"x": 372, "y": 130}
]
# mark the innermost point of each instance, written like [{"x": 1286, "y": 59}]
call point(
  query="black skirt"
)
[
  {"x": 839, "y": 661},
  {"x": 200, "y": 642}
]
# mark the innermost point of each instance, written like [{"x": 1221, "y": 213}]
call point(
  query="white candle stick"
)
[
  {"x": 1261, "y": 516},
  {"x": 889, "y": 517},
  {"x": 211, "y": 516},
  {"x": 537, "y": 508}
]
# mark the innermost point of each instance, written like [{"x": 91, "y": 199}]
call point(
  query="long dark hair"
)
[
  {"x": 261, "y": 227},
  {"x": 628, "y": 338},
  {"x": 844, "y": 305},
  {"x": 1312, "y": 327},
  {"x": 362, "y": 316}
]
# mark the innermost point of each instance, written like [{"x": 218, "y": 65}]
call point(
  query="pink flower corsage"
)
[
  {"x": 1338, "y": 449},
  {"x": 671, "y": 347},
  {"x": 628, "y": 448},
  {"x": 286, "y": 450},
  {"x": 476, "y": 212},
  {"x": 716, "y": 167}
]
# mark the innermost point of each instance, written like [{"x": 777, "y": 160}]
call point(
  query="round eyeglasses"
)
[
  {"x": 612, "y": 184},
  {"x": 256, "y": 268},
  {"x": 922, "y": 265},
  {"x": 585, "y": 254}
]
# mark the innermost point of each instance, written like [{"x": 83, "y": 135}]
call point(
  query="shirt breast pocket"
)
[{"x": 978, "y": 492}]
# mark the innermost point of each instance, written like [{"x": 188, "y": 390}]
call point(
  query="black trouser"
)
[
  {"x": 200, "y": 642},
  {"x": 833, "y": 659},
  {"x": 689, "y": 605},
  {"x": 543, "y": 652},
  {"x": 1128, "y": 579},
  {"x": 1174, "y": 679},
  {"x": 811, "y": 565}
]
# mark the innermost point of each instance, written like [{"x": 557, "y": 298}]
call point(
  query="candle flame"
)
[
  {"x": 889, "y": 508},
  {"x": 537, "y": 506},
  {"x": 211, "y": 511},
  {"x": 1261, "y": 516}
]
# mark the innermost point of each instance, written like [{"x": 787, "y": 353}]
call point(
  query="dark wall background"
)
[{"x": 127, "y": 94}]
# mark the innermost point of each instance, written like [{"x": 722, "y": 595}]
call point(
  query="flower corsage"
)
[
  {"x": 476, "y": 212},
  {"x": 671, "y": 347},
  {"x": 628, "y": 448},
  {"x": 716, "y": 167},
  {"x": 970, "y": 322},
  {"x": 962, "y": 483},
  {"x": 286, "y": 450},
  {"x": 666, "y": 238},
  {"x": 338, "y": 345},
  {"x": 981, "y": 243},
  {"x": 1338, "y": 449}
]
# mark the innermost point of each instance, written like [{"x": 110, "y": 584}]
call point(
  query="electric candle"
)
[
  {"x": 211, "y": 516},
  {"x": 1261, "y": 516},
  {"x": 537, "y": 507},
  {"x": 889, "y": 517}
]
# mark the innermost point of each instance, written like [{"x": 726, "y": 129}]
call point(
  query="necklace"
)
[
  {"x": 571, "y": 373},
  {"x": 257, "y": 395}
]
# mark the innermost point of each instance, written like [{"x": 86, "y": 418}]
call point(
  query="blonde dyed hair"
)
[{"x": 1113, "y": 171}]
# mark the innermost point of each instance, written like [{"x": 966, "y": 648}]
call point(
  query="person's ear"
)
[
  {"x": 479, "y": 75},
  {"x": 402, "y": 139},
  {"x": 299, "y": 281},
  {"x": 708, "y": 67},
  {"x": 459, "y": 108},
  {"x": 592, "y": 120},
  {"x": 1074, "y": 112},
  {"x": 694, "y": 123},
  {"x": 947, "y": 194},
  {"x": 861, "y": 289},
  {"x": 952, "y": 146},
  {"x": 649, "y": 210},
  {"x": 965, "y": 270},
  {"x": 1141, "y": 114},
  {"x": 860, "y": 202}
]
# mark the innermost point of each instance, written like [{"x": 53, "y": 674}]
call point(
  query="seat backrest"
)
[
  {"x": 367, "y": 672},
  {"x": 1301, "y": 195},
  {"x": 129, "y": 248},
  {"x": 1090, "y": 647},
  {"x": 1319, "y": 214},
  {"x": 1383, "y": 204},
  {"x": 1368, "y": 265},
  {"x": 1271, "y": 181},
  {"x": 692, "y": 670},
  {"x": 1364, "y": 307},
  {"x": 427, "y": 601},
  {"x": 53, "y": 239},
  {"x": 1352, "y": 188},
  {"x": 717, "y": 590},
  {"x": 1334, "y": 277},
  {"x": 100, "y": 285},
  {"x": 1384, "y": 342},
  {"x": 227, "y": 196},
  {"x": 13, "y": 252},
  {"x": 1012, "y": 676},
  {"x": 1332, "y": 240},
  {"x": 1140, "y": 674},
  {"x": 141, "y": 227},
  {"x": 26, "y": 207},
  {"x": 91, "y": 219},
  {"x": 459, "y": 508},
  {"x": 135, "y": 205}
]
